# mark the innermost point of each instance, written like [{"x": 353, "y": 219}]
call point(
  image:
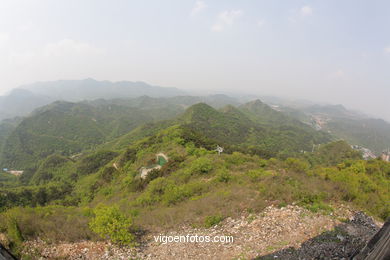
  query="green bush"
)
[
  {"x": 258, "y": 174},
  {"x": 13, "y": 231},
  {"x": 223, "y": 176},
  {"x": 174, "y": 194},
  {"x": 297, "y": 165},
  {"x": 315, "y": 202},
  {"x": 110, "y": 223},
  {"x": 14, "y": 234},
  {"x": 212, "y": 220},
  {"x": 201, "y": 166},
  {"x": 237, "y": 158}
]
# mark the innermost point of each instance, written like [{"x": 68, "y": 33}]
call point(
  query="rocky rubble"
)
[
  {"x": 39, "y": 249},
  {"x": 290, "y": 232},
  {"x": 345, "y": 241}
]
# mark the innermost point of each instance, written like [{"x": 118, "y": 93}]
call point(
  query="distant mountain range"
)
[
  {"x": 21, "y": 101},
  {"x": 89, "y": 89},
  {"x": 154, "y": 103}
]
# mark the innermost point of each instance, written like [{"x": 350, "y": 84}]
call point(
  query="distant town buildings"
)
[
  {"x": 318, "y": 121},
  {"x": 366, "y": 153},
  {"x": 16, "y": 173},
  {"x": 13, "y": 172}
]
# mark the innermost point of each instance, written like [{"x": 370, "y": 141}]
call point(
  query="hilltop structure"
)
[
  {"x": 161, "y": 159},
  {"x": 219, "y": 149}
]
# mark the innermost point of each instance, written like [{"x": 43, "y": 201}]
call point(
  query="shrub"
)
[
  {"x": 258, "y": 174},
  {"x": 13, "y": 231},
  {"x": 315, "y": 202},
  {"x": 157, "y": 186},
  {"x": 190, "y": 148},
  {"x": 223, "y": 176},
  {"x": 297, "y": 165},
  {"x": 110, "y": 223},
  {"x": 263, "y": 163},
  {"x": 107, "y": 174},
  {"x": 212, "y": 220},
  {"x": 45, "y": 223},
  {"x": 237, "y": 158},
  {"x": 135, "y": 183},
  {"x": 201, "y": 166},
  {"x": 174, "y": 194},
  {"x": 152, "y": 175}
]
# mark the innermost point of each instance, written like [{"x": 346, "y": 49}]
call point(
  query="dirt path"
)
[{"x": 162, "y": 155}]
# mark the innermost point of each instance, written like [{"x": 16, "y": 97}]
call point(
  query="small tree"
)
[
  {"x": 111, "y": 223},
  {"x": 201, "y": 166}
]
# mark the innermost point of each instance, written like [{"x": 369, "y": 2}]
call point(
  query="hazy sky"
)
[{"x": 331, "y": 50}]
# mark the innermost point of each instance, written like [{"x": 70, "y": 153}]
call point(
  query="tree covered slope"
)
[
  {"x": 64, "y": 195},
  {"x": 69, "y": 128},
  {"x": 255, "y": 126}
]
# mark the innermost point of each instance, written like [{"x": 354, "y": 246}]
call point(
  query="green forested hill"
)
[
  {"x": 61, "y": 193},
  {"x": 338, "y": 121},
  {"x": 255, "y": 126},
  {"x": 264, "y": 114},
  {"x": 20, "y": 102},
  {"x": 67, "y": 128},
  {"x": 6, "y": 128}
]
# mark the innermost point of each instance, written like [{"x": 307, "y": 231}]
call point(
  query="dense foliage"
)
[
  {"x": 111, "y": 223},
  {"x": 232, "y": 127}
]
